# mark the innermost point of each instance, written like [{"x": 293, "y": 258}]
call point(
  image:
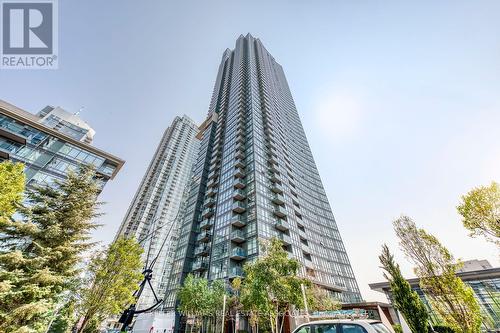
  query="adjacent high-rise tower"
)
[
  {"x": 153, "y": 214},
  {"x": 255, "y": 178}
]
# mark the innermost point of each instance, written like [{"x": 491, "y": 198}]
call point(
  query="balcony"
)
[
  {"x": 284, "y": 238},
  {"x": 239, "y": 163},
  {"x": 240, "y": 138},
  {"x": 210, "y": 202},
  {"x": 239, "y": 172},
  {"x": 236, "y": 272},
  {"x": 239, "y": 195},
  {"x": 240, "y": 153},
  {"x": 308, "y": 263},
  {"x": 202, "y": 250},
  {"x": 279, "y": 211},
  {"x": 212, "y": 183},
  {"x": 276, "y": 188},
  {"x": 213, "y": 174},
  {"x": 278, "y": 199},
  {"x": 206, "y": 224},
  {"x": 204, "y": 237},
  {"x": 211, "y": 192},
  {"x": 238, "y": 221},
  {"x": 238, "y": 236},
  {"x": 282, "y": 225},
  {"x": 239, "y": 183},
  {"x": 274, "y": 177},
  {"x": 239, "y": 207},
  {"x": 273, "y": 158},
  {"x": 200, "y": 265},
  {"x": 238, "y": 253},
  {"x": 302, "y": 234},
  {"x": 208, "y": 212},
  {"x": 305, "y": 248}
]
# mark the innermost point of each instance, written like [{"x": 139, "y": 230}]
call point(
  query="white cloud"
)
[{"x": 338, "y": 115}]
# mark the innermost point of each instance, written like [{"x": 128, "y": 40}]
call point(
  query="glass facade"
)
[
  {"x": 153, "y": 213},
  {"x": 48, "y": 154},
  {"x": 255, "y": 178}
]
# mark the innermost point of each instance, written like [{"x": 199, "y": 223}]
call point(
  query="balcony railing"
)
[
  {"x": 284, "y": 238},
  {"x": 208, "y": 212},
  {"x": 238, "y": 253},
  {"x": 235, "y": 272},
  {"x": 202, "y": 250},
  {"x": 278, "y": 199},
  {"x": 206, "y": 224},
  {"x": 210, "y": 202},
  {"x": 239, "y": 194},
  {"x": 282, "y": 225},
  {"x": 238, "y": 236},
  {"x": 238, "y": 221},
  {"x": 238, "y": 183},
  {"x": 204, "y": 237},
  {"x": 279, "y": 211},
  {"x": 276, "y": 188},
  {"x": 239, "y": 207},
  {"x": 200, "y": 265}
]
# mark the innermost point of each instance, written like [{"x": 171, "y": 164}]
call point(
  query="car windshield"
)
[{"x": 380, "y": 328}]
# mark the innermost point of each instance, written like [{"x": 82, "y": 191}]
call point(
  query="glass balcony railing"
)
[
  {"x": 204, "y": 237},
  {"x": 279, "y": 211},
  {"x": 235, "y": 272},
  {"x": 284, "y": 238},
  {"x": 278, "y": 199},
  {"x": 238, "y": 253},
  {"x": 201, "y": 250},
  {"x": 206, "y": 224},
  {"x": 239, "y": 194},
  {"x": 200, "y": 265},
  {"x": 239, "y": 172},
  {"x": 276, "y": 188},
  {"x": 208, "y": 212},
  {"x": 238, "y": 236},
  {"x": 239, "y": 207},
  {"x": 282, "y": 225},
  {"x": 238, "y": 183},
  {"x": 238, "y": 221}
]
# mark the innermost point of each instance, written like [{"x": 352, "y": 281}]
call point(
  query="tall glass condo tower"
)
[{"x": 255, "y": 178}]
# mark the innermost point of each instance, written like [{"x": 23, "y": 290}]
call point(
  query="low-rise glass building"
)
[
  {"x": 47, "y": 153},
  {"x": 485, "y": 281}
]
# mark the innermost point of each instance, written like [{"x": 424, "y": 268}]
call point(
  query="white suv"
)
[{"x": 343, "y": 326}]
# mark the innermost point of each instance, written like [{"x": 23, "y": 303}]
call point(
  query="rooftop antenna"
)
[{"x": 79, "y": 110}]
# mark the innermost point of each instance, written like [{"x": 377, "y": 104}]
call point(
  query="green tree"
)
[
  {"x": 450, "y": 297},
  {"x": 11, "y": 191},
  {"x": 199, "y": 300},
  {"x": 39, "y": 252},
  {"x": 405, "y": 299},
  {"x": 319, "y": 299},
  {"x": 271, "y": 285},
  {"x": 113, "y": 275},
  {"x": 480, "y": 211}
]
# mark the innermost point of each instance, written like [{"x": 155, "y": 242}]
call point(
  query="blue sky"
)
[{"x": 399, "y": 100}]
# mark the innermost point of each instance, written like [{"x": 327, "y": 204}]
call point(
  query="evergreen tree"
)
[
  {"x": 40, "y": 251},
  {"x": 405, "y": 299},
  {"x": 449, "y": 296}
]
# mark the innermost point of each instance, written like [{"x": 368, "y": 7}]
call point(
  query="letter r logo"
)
[{"x": 27, "y": 27}]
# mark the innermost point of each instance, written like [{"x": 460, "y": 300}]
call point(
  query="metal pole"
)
[
  {"x": 305, "y": 300},
  {"x": 223, "y": 314}
]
